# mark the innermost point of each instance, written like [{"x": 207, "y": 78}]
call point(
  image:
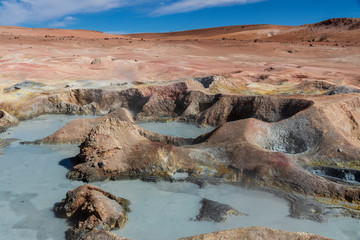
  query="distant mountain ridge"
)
[
  {"x": 331, "y": 30},
  {"x": 340, "y": 23}
]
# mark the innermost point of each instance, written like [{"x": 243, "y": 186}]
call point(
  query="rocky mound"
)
[
  {"x": 7, "y": 120},
  {"x": 117, "y": 149},
  {"x": 259, "y": 233},
  {"x": 93, "y": 212},
  {"x": 25, "y": 85},
  {"x": 77, "y": 130}
]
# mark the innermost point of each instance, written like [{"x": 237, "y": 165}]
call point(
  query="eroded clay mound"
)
[
  {"x": 259, "y": 233},
  {"x": 117, "y": 149},
  {"x": 91, "y": 208},
  {"x": 77, "y": 130}
]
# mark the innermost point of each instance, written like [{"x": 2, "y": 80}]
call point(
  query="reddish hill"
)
[
  {"x": 341, "y": 24},
  {"x": 346, "y": 30},
  {"x": 41, "y": 32},
  {"x": 240, "y": 32}
]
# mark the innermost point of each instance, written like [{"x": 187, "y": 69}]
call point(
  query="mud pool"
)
[
  {"x": 175, "y": 129},
  {"x": 32, "y": 179}
]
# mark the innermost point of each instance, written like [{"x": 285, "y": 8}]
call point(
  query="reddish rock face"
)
[
  {"x": 93, "y": 211},
  {"x": 258, "y": 233}
]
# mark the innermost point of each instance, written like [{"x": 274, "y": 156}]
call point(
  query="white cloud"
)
[
  {"x": 192, "y": 5},
  {"x": 66, "y": 21},
  {"x": 14, "y": 12}
]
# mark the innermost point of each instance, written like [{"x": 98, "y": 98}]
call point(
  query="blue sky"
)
[{"x": 130, "y": 16}]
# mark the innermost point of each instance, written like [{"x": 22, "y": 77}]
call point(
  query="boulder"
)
[
  {"x": 96, "y": 61},
  {"x": 215, "y": 211},
  {"x": 89, "y": 208}
]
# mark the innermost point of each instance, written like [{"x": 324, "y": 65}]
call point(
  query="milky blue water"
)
[
  {"x": 32, "y": 179},
  {"x": 176, "y": 129}
]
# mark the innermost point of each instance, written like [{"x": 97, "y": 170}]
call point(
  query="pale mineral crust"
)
[{"x": 258, "y": 233}]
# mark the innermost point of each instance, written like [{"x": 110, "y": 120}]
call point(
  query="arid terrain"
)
[{"x": 284, "y": 101}]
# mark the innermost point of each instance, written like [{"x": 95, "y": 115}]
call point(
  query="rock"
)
[
  {"x": 206, "y": 81},
  {"x": 73, "y": 109},
  {"x": 311, "y": 86},
  {"x": 258, "y": 233},
  {"x": 7, "y": 120},
  {"x": 342, "y": 90},
  {"x": 96, "y": 61},
  {"x": 154, "y": 179},
  {"x": 342, "y": 174},
  {"x": 24, "y": 85},
  {"x": 215, "y": 211},
  {"x": 269, "y": 69},
  {"x": 101, "y": 164},
  {"x": 91, "y": 208},
  {"x": 201, "y": 182},
  {"x": 72, "y": 85}
]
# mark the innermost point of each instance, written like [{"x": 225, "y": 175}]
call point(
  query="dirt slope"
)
[
  {"x": 240, "y": 32},
  {"x": 346, "y": 30}
]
